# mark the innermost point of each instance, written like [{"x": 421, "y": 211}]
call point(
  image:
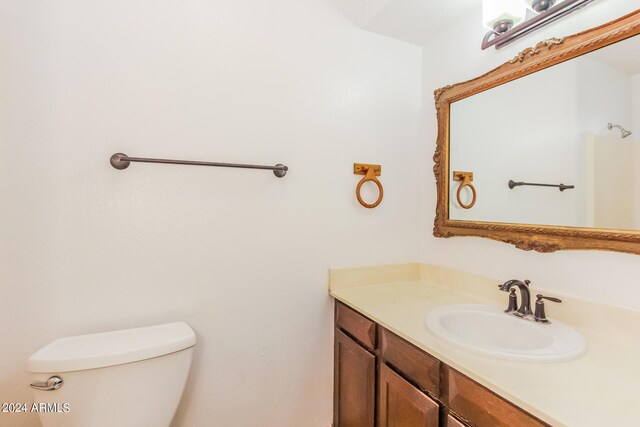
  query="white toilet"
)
[{"x": 128, "y": 378}]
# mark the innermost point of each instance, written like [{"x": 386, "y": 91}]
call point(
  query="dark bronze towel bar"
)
[
  {"x": 121, "y": 161},
  {"x": 561, "y": 187}
]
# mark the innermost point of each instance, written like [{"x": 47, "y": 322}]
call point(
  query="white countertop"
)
[{"x": 598, "y": 389}]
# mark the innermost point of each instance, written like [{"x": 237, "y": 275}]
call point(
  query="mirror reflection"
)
[{"x": 568, "y": 130}]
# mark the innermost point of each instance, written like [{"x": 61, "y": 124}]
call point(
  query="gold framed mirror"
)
[{"x": 494, "y": 128}]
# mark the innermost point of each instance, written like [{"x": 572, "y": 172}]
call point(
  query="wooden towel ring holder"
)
[
  {"x": 466, "y": 178},
  {"x": 370, "y": 172}
]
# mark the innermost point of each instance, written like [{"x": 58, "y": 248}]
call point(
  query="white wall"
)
[
  {"x": 604, "y": 94},
  {"x": 240, "y": 255},
  {"x": 635, "y": 88},
  {"x": 635, "y": 99},
  {"x": 615, "y": 193},
  {"x": 455, "y": 56}
]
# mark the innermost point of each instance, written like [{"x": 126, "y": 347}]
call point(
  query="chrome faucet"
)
[
  {"x": 525, "y": 305},
  {"x": 524, "y": 310}
]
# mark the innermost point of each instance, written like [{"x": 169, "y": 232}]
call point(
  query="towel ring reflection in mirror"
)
[
  {"x": 370, "y": 172},
  {"x": 466, "y": 178}
]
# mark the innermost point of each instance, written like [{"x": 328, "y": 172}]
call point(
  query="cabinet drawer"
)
[
  {"x": 482, "y": 408},
  {"x": 415, "y": 364},
  {"x": 400, "y": 404},
  {"x": 356, "y": 325}
]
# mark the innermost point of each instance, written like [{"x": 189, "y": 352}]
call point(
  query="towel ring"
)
[
  {"x": 466, "y": 178},
  {"x": 369, "y": 172}
]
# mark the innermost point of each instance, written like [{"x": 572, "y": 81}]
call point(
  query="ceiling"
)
[
  {"x": 416, "y": 21},
  {"x": 622, "y": 55}
]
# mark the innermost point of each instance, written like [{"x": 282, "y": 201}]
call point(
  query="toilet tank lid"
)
[{"x": 111, "y": 348}]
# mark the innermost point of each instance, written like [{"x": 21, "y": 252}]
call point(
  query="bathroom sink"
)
[{"x": 488, "y": 330}]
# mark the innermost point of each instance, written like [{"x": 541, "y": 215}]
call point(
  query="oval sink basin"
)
[{"x": 488, "y": 330}]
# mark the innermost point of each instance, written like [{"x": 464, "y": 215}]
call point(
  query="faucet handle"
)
[
  {"x": 553, "y": 299},
  {"x": 527, "y": 282},
  {"x": 539, "y": 314}
]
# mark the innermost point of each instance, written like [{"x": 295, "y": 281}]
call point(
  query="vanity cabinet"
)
[
  {"x": 453, "y": 422},
  {"x": 411, "y": 362},
  {"x": 474, "y": 402},
  {"x": 381, "y": 380},
  {"x": 400, "y": 404}
]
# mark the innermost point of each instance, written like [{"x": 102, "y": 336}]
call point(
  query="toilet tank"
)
[{"x": 127, "y": 378}]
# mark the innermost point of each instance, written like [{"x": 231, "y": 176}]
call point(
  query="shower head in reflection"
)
[{"x": 625, "y": 133}]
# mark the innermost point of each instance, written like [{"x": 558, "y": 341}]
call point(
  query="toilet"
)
[{"x": 127, "y": 378}]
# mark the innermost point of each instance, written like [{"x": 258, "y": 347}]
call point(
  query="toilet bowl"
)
[{"x": 128, "y": 378}]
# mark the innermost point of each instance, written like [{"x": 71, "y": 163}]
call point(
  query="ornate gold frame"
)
[{"x": 541, "y": 238}]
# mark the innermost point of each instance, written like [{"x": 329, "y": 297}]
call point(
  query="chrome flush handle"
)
[{"x": 52, "y": 383}]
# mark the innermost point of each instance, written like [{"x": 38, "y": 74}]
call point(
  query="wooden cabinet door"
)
[
  {"x": 400, "y": 404},
  {"x": 354, "y": 382}
]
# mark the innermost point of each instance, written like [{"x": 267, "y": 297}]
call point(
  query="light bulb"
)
[{"x": 501, "y": 15}]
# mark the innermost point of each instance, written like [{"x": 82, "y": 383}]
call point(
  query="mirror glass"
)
[{"x": 551, "y": 127}]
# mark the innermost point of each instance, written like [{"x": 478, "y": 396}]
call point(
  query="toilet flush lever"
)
[{"x": 52, "y": 383}]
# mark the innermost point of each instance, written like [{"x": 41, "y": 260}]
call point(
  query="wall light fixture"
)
[{"x": 508, "y": 20}]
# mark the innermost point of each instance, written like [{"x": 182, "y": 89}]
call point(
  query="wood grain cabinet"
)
[
  {"x": 400, "y": 404},
  {"x": 474, "y": 402},
  {"x": 381, "y": 380},
  {"x": 454, "y": 422},
  {"x": 356, "y": 325},
  {"x": 422, "y": 368},
  {"x": 354, "y": 383}
]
